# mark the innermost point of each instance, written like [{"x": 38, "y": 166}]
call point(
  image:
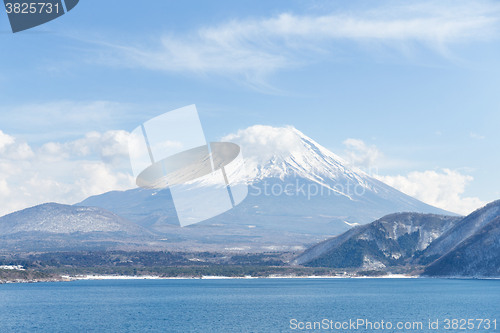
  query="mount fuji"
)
[{"x": 299, "y": 193}]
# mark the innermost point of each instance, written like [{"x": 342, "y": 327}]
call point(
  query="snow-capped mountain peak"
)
[
  {"x": 282, "y": 152},
  {"x": 297, "y": 189}
]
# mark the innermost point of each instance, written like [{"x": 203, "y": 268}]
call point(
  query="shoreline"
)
[
  {"x": 88, "y": 277},
  {"x": 67, "y": 278},
  {"x": 210, "y": 277}
]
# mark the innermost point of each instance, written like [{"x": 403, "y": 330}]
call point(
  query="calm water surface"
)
[{"x": 260, "y": 305}]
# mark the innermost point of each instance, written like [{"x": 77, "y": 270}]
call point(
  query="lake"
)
[{"x": 252, "y": 305}]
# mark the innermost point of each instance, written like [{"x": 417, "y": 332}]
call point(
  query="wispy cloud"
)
[
  {"x": 359, "y": 154},
  {"x": 254, "y": 48},
  {"x": 65, "y": 120},
  {"x": 477, "y": 136},
  {"x": 369, "y": 158},
  {"x": 60, "y": 118}
]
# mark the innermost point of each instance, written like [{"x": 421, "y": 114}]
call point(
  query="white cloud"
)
[
  {"x": 477, "y": 136},
  {"x": 253, "y": 48},
  {"x": 439, "y": 189},
  {"x": 71, "y": 171},
  {"x": 5, "y": 140},
  {"x": 11, "y": 149},
  {"x": 95, "y": 178},
  {"x": 4, "y": 188},
  {"x": 261, "y": 143},
  {"x": 266, "y": 140},
  {"x": 361, "y": 155},
  {"x": 369, "y": 159},
  {"x": 62, "y": 172},
  {"x": 444, "y": 190},
  {"x": 112, "y": 146}
]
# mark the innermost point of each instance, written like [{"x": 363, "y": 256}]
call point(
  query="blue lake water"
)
[{"x": 249, "y": 305}]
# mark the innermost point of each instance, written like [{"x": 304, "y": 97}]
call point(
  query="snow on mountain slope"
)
[
  {"x": 281, "y": 153},
  {"x": 64, "y": 219},
  {"x": 391, "y": 240},
  {"x": 297, "y": 190},
  {"x": 478, "y": 256},
  {"x": 463, "y": 230},
  {"x": 287, "y": 152}
]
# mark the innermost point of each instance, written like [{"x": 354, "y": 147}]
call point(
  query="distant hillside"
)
[
  {"x": 478, "y": 256},
  {"x": 299, "y": 193},
  {"x": 53, "y": 227},
  {"x": 467, "y": 227},
  {"x": 65, "y": 219},
  {"x": 449, "y": 246},
  {"x": 391, "y": 240}
]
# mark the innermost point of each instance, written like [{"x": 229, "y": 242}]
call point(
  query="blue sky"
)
[{"x": 409, "y": 88}]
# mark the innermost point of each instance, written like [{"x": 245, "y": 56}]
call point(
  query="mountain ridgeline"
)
[
  {"x": 388, "y": 241},
  {"x": 55, "y": 227},
  {"x": 299, "y": 194},
  {"x": 440, "y": 245},
  {"x": 65, "y": 219}
]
